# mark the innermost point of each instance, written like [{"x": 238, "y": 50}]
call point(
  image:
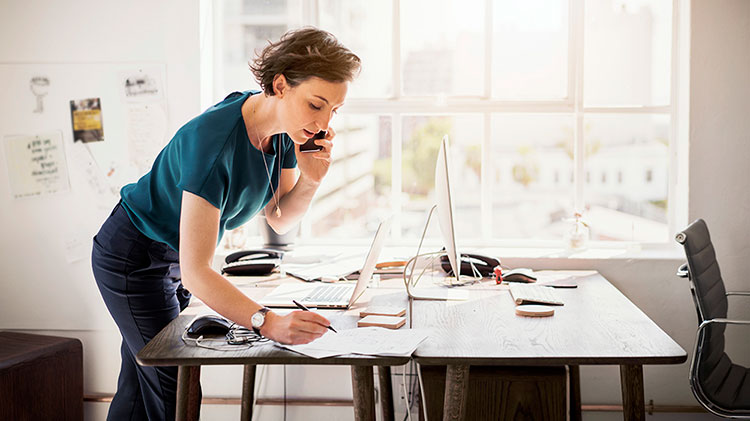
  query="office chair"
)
[{"x": 722, "y": 387}]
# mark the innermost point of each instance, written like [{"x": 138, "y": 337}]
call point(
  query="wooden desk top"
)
[
  {"x": 167, "y": 347},
  {"x": 597, "y": 325}
]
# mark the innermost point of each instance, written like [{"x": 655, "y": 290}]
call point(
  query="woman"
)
[{"x": 219, "y": 170}]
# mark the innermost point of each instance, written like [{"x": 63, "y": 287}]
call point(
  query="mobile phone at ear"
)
[{"x": 310, "y": 145}]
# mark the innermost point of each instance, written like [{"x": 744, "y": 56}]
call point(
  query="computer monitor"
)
[
  {"x": 444, "y": 207},
  {"x": 445, "y": 212}
]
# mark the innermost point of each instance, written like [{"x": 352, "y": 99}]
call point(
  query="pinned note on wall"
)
[{"x": 36, "y": 164}]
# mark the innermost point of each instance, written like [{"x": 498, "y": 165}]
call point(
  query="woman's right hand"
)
[{"x": 297, "y": 327}]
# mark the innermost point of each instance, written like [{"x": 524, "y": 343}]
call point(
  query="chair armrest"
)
[
  {"x": 723, "y": 321},
  {"x": 682, "y": 271},
  {"x": 743, "y": 293}
]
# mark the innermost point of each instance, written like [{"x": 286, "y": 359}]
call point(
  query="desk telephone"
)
[
  {"x": 252, "y": 262},
  {"x": 484, "y": 264}
]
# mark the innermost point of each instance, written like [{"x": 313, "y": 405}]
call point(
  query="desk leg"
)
[
  {"x": 631, "y": 380},
  {"x": 248, "y": 393},
  {"x": 574, "y": 382},
  {"x": 188, "y": 392},
  {"x": 456, "y": 392},
  {"x": 386, "y": 392},
  {"x": 363, "y": 388}
]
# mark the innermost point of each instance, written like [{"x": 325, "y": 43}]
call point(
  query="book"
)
[
  {"x": 389, "y": 322},
  {"x": 383, "y": 311}
]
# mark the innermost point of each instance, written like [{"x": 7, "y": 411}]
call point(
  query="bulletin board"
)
[{"x": 57, "y": 188}]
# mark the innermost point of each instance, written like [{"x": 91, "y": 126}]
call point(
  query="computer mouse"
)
[
  {"x": 519, "y": 275},
  {"x": 209, "y": 325}
]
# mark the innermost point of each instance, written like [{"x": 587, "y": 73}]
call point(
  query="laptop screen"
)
[{"x": 371, "y": 260}]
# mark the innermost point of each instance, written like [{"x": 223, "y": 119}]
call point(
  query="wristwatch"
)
[{"x": 258, "y": 319}]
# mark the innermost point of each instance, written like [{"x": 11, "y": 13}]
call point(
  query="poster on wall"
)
[
  {"x": 86, "y": 115},
  {"x": 39, "y": 86},
  {"x": 36, "y": 164},
  {"x": 142, "y": 84},
  {"x": 142, "y": 90}
]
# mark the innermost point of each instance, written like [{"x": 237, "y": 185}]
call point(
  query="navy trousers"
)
[{"x": 139, "y": 280}]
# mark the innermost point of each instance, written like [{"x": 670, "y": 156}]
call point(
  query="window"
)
[{"x": 541, "y": 99}]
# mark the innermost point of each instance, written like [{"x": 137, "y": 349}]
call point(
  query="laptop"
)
[
  {"x": 336, "y": 296},
  {"x": 339, "y": 268}
]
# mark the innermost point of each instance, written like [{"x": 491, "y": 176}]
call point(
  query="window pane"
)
[
  {"x": 240, "y": 45},
  {"x": 264, "y": 7},
  {"x": 421, "y": 141},
  {"x": 627, "y": 53},
  {"x": 247, "y": 26},
  {"x": 628, "y": 160},
  {"x": 530, "y": 49},
  {"x": 355, "y": 195},
  {"x": 442, "y": 47},
  {"x": 532, "y": 175},
  {"x": 354, "y": 23}
]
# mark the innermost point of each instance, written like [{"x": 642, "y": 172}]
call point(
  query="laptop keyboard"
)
[{"x": 329, "y": 294}]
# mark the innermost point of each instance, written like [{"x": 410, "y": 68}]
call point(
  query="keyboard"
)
[
  {"x": 329, "y": 294},
  {"x": 538, "y": 294}
]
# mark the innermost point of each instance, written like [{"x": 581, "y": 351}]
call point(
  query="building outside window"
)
[{"x": 526, "y": 91}]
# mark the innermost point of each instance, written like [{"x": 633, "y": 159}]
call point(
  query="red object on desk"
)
[{"x": 498, "y": 274}]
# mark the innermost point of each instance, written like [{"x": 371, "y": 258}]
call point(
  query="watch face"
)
[{"x": 258, "y": 319}]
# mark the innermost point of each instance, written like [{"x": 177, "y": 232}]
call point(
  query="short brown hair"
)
[{"x": 304, "y": 53}]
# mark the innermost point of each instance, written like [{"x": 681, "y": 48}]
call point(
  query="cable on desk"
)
[
  {"x": 406, "y": 395},
  {"x": 284, "y": 392},
  {"x": 237, "y": 338}
]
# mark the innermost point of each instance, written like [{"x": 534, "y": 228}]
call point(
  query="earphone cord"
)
[
  {"x": 265, "y": 164},
  {"x": 274, "y": 194}
]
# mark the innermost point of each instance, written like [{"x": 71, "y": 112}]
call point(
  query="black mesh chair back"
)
[{"x": 718, "y": 384}]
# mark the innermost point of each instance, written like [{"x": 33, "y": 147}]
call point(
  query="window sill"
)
[{"x": 533, "y": 255}]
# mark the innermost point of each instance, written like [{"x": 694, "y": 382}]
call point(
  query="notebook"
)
[{"x": 330, "y": 295}]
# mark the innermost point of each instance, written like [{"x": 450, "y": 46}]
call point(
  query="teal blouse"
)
[{"x": 212, "y": 157}]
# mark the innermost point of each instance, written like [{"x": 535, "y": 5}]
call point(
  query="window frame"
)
[{"x": 396, "y": 106}]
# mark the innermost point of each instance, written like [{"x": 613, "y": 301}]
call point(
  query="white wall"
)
[
  {"x": 167, "y": 31},
  {"x": 720, "y": 131}
]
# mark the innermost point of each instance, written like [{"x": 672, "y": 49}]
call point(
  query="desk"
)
[
  {"x": 597, "y": 325},
  {"x": 167, "y": 349}
]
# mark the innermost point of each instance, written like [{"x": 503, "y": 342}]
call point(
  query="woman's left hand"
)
[{"x": 314, "y": 165}]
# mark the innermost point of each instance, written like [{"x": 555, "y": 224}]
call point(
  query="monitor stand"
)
[{"x": 446, "y": 292}]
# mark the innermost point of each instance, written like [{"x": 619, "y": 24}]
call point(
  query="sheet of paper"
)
[
  {"x": 147, "y": 128},
  {"x": 143, "y": 83},
  {"x": 364, "y": 341},
  {"x": 36, "y": 164},
  {"x": 82, "y": 160},
  {"x": 552, "y": 276}
]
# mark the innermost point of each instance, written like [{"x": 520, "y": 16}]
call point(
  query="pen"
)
[{"x": 307, "y": 309}]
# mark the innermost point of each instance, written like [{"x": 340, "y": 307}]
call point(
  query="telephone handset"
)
[
  {"x": 484, "y": 264},
  {"x": 310, "y": 145},
  {"x": 251, "y": 262}
]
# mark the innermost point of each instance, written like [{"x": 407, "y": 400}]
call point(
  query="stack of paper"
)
[{"x": 364, "y": 341}]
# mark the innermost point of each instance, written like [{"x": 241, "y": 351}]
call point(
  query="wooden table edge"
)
[{"x": 677, "y": 359}]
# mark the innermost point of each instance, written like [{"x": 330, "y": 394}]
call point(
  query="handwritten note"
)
[
  {"x": 36, "y": 164},
  {"x": 147, "y": 128}
]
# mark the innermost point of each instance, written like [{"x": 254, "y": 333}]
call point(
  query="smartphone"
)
[{"x": 310, "y": 145}]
